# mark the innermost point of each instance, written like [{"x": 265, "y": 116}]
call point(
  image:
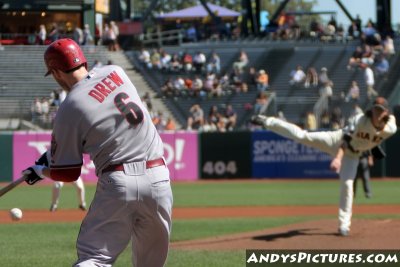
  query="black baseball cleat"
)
[{"x": 82, "y": 207}]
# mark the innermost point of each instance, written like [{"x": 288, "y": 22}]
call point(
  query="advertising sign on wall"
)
[
  {"x": 180, "y": 151},
  {"x": 274, "y": 156},
  {"x": 225, "y": 155}
]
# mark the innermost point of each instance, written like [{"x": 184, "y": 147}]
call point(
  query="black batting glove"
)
[
  {"x": 33, "y": 174},
  {"x": 42, "y": 160}
]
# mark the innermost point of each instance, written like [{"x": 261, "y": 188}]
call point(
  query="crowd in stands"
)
[
  {"x": 43, "y": 110},
  {"x": 107, "y": 36},
  {"x": 217, "y": 120},
  {"x": 200, "y": 75}
]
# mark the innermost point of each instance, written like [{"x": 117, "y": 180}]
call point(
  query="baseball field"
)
[{"x": 214, "y": 222}]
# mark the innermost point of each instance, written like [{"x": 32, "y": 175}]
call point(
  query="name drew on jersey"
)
[
  {"x": 366, "y": 136},
  {"x": 107, "y": 85}
]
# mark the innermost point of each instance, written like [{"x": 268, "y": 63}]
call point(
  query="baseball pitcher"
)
[
  {"x": 103, "y": 116},
  {"x": 345, "y": 145}
]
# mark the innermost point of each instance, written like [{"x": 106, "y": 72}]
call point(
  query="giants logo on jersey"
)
[
  {"x": 106, "y": 86},
  {"x": 366, "y": 136}
]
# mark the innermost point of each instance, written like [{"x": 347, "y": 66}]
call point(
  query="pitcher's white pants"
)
[{"x": 328, "y": 142}]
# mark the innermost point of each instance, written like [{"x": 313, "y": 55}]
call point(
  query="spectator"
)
[
  {"x": 231, "y": 117},
  {"x": 326, "y": 90},
  {"x": 197, "y": 86},
  {"x": 310, "y": 121},
  {"x": 191, "y": 34},
  {"x": 199, "y": 61},
  {"x": 214, "y": 63},
  {"x": 189, "y": 86},
  {"x": 369, "y": 81},
  {"x": 323, "y": 77},
  {"x": 179, "y": 86},
  {"x": 208, "y": 127},
  {"x": 168, "y": 88},
  {"x": 297, "y": 76},
  {"x": 115, "y": 29},
  {"x": 87, "y": 35},
  {"x": 381, "y": 66},
  {"x": 354, "y": 93},
  {"x": 261, "y": 102},
  {"x": 109, "y": 37},
  {"x": 45, "y": 107},
  {"x": 54, "y": 33},
  {"x": 196, "y": 119},
  {"x": 55, "y": 98},
  {"x": 388, "y": 46},
  {"x": 213, "y": 115},
  {"x": 355, "y": 58},
  {"x": 175, "y": 64},
  {"x": 262, "y": 81},
  {"x": 221, "y": 124},
  {"x": 253, "y": 75},
  {"x": 242, "y": 62},
  {"x": 368, "y": 56},
  {"x": 155, "y": 59},
  {"x": 187, "y": 62},
  {"x": 165, "y": 60},
  {"x": 170, "y": 125},
  {"x": 353, "y": 31},
  {"x": 146, "y": 100},
  {"x": 78, "y": 35},
  {"x": 42, "y": 34},
  {"x": 36, "y": 110},
  {"x": 144, "y": 57},
  {"x": 337, "y": 120},
  {"x": 311, "y": 78}
]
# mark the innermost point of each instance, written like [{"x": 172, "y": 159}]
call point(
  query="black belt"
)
[{"x": 120, "y": 167}]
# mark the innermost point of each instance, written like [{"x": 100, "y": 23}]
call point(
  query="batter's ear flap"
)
[{"x": 378, "y": 153}]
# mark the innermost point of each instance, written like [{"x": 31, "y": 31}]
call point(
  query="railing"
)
[
  {"x": 161, "y": 37},
  {"x": 23, "y": 38}
]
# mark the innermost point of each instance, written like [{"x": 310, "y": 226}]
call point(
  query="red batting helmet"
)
[{"x": 64, "y": 55}]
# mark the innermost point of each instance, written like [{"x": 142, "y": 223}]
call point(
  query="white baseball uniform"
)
[
  {"x": 80, "y": 189},
  {"x": 103, "y": 116},
  {"x": 364, "y": 136}
]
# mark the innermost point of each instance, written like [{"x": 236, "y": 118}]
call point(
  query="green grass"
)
[
  {"x": 53, "y": 244},
  {"x": 247, "y": 193}
]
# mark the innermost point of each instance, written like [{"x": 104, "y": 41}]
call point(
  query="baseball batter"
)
[
  {"x": 345, "y": 145},
  {"x": 104, "y": 117}
]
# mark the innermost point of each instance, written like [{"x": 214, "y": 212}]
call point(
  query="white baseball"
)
[{"x": 16, "y": 214}]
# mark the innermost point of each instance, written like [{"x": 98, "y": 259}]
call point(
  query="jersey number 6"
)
[{"x": 131, "y": 111}]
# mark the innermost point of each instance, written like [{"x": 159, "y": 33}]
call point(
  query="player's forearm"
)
[{"x": 339, "y": 153}]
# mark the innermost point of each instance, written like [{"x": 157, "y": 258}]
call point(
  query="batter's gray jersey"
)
[{"x": 103, "y": 116}]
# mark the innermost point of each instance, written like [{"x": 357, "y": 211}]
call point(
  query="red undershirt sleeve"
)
[{"x": 65, "y": 175}]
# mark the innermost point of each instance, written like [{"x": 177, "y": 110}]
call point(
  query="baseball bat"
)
[{"x": 11, "y": 185}]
